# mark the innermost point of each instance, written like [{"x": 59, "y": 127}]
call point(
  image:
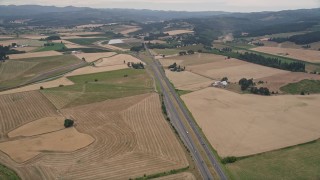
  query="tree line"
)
[
  {"x": 300, "y": 39},
  {"x": 272, "y": 62}
]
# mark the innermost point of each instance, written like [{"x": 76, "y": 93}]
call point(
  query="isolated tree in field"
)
[
  {"x": 68, "y": 123},
  {"x": 190, "y": 52},
  {"x": 224, "y": 79}
]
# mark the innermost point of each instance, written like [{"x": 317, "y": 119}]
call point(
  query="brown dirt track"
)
[
  {"x": 132, "y": 138},
  {"x": 242, "y": 125}
]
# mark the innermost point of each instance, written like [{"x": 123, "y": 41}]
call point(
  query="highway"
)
[{"x": 177, "y": 111}]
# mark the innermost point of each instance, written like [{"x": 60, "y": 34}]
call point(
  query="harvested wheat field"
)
[
  {"x": 26, "y": 49},
  {"x": 242, "y": 125},
  {"x": 34, "y": 36},
  {"x": 93, "y": 69},
  {"x": 69, "y": 44},
  {"x": 180, "y": 176},
  {"x": 119, "y": 59},
  {"x": 301, "y": 54},
  {"x": 91, "y": 57},
  {"x": 125, "y": 30},
  {"x": 234, "y": 69},
  {"x": 35, "y": 54},
  {"x": 77, "y": 33},
  {"x": 40, "y": 126},
  {"x": 108, "y": 46},
  {"x": 21, "y": 108},
  {"x": 275, "y": 82},
  {"x": 50, "y": 84},
  {"x": 131, "y": 138},
  {"x": 65, "y": 140},
  {"x": 177, "y": 32},
  {"x": 25, "y": 42},
  {"x": 195, "y": 59},
  {"x": 186, "y": 80}
]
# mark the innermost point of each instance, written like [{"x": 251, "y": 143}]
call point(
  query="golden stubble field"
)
[
  {"x": 301, "y": 54},
  {"x": 119, "y": 139},
  {"x": 242, "y": 125}
]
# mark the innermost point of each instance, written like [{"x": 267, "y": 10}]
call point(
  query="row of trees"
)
[{"x": 272, "y": 62}]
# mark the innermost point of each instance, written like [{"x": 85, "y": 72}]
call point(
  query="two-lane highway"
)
[{"x": 176, "y": 111}]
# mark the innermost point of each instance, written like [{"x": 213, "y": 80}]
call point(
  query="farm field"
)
[
  {"x": 28, "y": 42},
  {"x": 177, "y": 32},
  {"x": 85, "y": 41},
  {"x": 275, "y": 82},
  {"x": 120, "y": 139},
  {"x": 306, "y": 86},
  {"x": 49, "y": 84},
  {"x": 55, "y": 47},
  {"x": 304, "y": 55},
  {"x": 241, "y": 125},
  {"x": 34, "y": 55},
  {"x": 6, "y": 173},
  {"x": 91, "y": 57},
  {"x": 119, "y": 59},
  {"x": 186, "y": 80},
  {"x": 69, "y": 44},
  {"x": 166, "y": 51},
  {"x": 180, "y": 176},
  {"x": 234, "y": 69},
  {"x": 98, "y": 87},
  {"x": 195, "y": 59},
  {"x": 298, "y": 162},
  {"x": 126, "y": 29},
  {"x": 24, "y": 71},
  {"x": 21, "y": 108}
]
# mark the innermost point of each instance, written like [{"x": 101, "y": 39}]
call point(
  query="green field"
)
[
  {"x": 306, "y": 86},
  {"x": 122, "y": 45},
  {"x": 55, "y": 47},
  {"x": 298, "y": 162},
  {"x": 8, "y": 174},
  {"x": 18, "y": 72},
  {"x": 167, "y": 51},
  {"x": 195, "y": 48},
  {"x": 86, "y": 41},
  {"x": 102, "y": 86}
]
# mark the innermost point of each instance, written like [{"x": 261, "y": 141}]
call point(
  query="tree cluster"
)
[
  {"x": 137, "y": 48},
  {"x": 176, "y": 68},
  {"x": 68, "y": 123},
  {"x": 51, "y": 38},
  {"x": 137, "y": 65},
  {"x": 153, "y": 36},
  {"x": 258, "y": 44},
  {"x": 6, "y": 50},
  {"x": 262, "y": 91},
  {"x": 245, "y": 83},
  {"x": 272, "y": 62}
]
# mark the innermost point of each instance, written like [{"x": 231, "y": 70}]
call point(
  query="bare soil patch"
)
[
  {"x": 35, "y": 54},
  {"x": 91, "y": 57},
  {"x": 304, "y": 55},
  {"x": 241, "y": 125},
  {"x": 188, "y": 81},
  {"x": 177, "y": 32}
]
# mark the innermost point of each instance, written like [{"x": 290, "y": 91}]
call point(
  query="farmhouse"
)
[{"x": 220, "y": 84}]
